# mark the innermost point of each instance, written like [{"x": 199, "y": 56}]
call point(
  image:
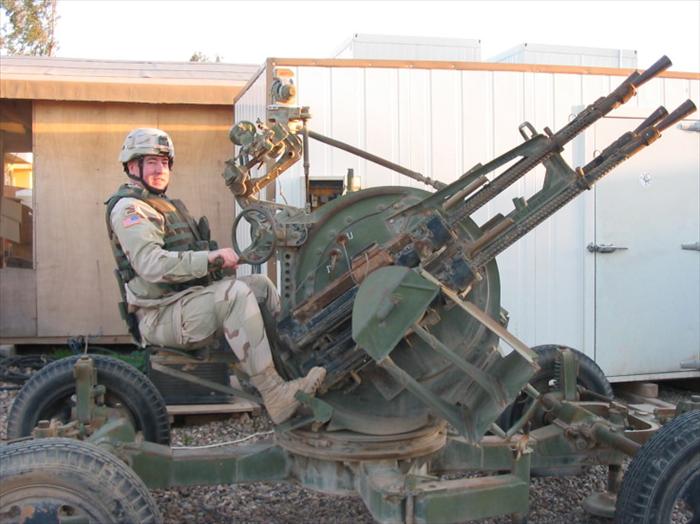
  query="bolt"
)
[{"x": 44, "y": 424}]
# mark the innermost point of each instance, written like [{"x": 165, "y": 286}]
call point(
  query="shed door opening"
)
[{"x": 16, "y": 215}]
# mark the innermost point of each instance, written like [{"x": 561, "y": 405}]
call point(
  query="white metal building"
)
[
  {"x": 440, "y": 118},
  {"x": 394, "y": 47},
  {"x": 529, "y": 53}
]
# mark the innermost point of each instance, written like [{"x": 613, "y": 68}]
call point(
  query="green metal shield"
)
[{"x": 388, "y": 303}]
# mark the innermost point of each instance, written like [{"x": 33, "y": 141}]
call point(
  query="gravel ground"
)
[{"x": 552, "y": 500}]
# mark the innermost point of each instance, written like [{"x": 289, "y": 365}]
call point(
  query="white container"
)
[
  {"x": 528, "y": 53},
  {"x": 390, "y": 47}
]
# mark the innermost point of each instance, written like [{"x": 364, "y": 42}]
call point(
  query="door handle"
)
[
  {"x": 691, "y": 247},
  {"x": 603, "y": 248},
  {"x": 691, "y": 364},
  {"x": 695, "y": 126}
]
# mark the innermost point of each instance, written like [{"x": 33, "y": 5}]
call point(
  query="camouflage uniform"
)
[
  {"x": 191, "y": 317},
  {"x": 162, "y": 256}
]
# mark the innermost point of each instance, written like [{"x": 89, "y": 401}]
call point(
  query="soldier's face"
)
[{"x": 156, "y": 171}]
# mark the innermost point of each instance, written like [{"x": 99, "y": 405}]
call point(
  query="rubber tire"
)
[
  {"x": 666, "y": 464},
  {"x": 590, "y": 376},
  {"x": 50, "y": 388},
  {"x": 65, "y": 472}
]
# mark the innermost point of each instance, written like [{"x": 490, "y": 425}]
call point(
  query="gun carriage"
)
[{"x": 396, "y": 292}]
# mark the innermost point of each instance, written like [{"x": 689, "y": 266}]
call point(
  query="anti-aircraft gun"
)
[
  {"x": 396, "y": 292},
  {"x": 426, "y": 322}
]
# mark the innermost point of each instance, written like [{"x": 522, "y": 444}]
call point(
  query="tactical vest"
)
[{"x": 182, "y": 233}]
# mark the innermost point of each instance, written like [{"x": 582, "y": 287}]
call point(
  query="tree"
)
[
  {"x": 27, "y": 27},
  {"x": 198, "y": 56}
]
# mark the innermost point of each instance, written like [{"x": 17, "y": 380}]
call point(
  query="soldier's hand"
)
[{"x": 228, "y": 258}]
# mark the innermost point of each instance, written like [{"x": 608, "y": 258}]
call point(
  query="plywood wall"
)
[{"x": 76, "y": 169}]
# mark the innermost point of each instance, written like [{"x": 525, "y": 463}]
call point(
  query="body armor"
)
[{"x": 182, "y": 233}]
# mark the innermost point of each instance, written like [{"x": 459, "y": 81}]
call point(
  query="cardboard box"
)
[
  {"x": 21, "y": 251},
  {"x": 10, "y": 191},
  {"x": 9, "y": 229},
  {"x": 11, "y": 209}
]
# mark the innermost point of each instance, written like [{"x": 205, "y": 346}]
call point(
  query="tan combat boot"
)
[{"x": 278, "y": 395}]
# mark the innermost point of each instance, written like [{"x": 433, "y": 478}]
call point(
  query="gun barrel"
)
[
  {"x": 624, "y": 147},
  {"x": 657, "y": 67},
  {"x": 536, "y": 154},
  {"x": 377, "y": 160},
  {"x": 677, "y": 115},
  {"x": 627, "y": 138},
  {"x": 652, "y": 119},
  {"x": 617, "y": 97}
]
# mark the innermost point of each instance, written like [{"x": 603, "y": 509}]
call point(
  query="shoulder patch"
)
[{"x": 132, "y": 220}]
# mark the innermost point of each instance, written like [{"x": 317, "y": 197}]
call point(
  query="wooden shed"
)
[{"x": 62, "y": 123}]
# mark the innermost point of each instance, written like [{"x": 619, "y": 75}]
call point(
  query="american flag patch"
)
[{"x": 131, "y": 220}]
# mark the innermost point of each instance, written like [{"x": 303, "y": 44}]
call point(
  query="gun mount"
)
[{"x": 396, "y": 292}]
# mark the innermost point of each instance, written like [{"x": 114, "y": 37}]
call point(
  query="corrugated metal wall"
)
[{"x": 441, "y": 122}]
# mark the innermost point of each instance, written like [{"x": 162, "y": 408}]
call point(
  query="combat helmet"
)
[{"x": 146, "y": 141}]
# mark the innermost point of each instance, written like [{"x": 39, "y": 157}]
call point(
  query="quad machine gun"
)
[{"x": 395, "y": 290}]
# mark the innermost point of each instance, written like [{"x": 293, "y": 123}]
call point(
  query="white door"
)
[{"x": 647, "y": 293}]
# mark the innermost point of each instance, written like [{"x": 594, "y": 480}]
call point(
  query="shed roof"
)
[{"x": 50, "y": 78}]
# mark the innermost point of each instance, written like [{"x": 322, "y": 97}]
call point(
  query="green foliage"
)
[
  {"x": 27, "y": 27},
  {"x": 198, "y": 56}
]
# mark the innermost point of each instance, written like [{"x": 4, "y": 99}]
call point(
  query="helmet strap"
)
[{"x": 141, "y": 180}]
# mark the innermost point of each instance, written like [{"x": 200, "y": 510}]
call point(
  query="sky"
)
[{"x": 250, "y": 31}]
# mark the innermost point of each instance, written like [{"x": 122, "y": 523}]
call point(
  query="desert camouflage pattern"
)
[
  {"x": 192, "y": 317},
  {"x": 146, "y": 141},
  {"x": 228, "y": 307},
  {"x": 140, "y": 230}
]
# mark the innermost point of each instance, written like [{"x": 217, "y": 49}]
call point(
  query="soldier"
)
[{"x": 170, "y": 275}]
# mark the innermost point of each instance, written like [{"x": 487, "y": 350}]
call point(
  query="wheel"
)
[
  {"x": 663, "y": 480},
  {"x": 47, "y": 394},
  {"x": 590, "y": 376},
  {"x": 61, "y": 480},
  {"x": 262, "y": 235}
]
